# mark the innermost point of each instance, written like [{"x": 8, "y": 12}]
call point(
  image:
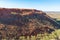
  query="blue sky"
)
[{"x": 45, "y": 5}]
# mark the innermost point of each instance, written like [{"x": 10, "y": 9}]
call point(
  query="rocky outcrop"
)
[{"x": 25, "y": 22}]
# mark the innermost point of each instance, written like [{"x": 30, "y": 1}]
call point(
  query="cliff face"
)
[{"x": 25, "y": 22}]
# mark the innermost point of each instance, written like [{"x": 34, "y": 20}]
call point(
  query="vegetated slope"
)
[{"x": 26, "y": 22}]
